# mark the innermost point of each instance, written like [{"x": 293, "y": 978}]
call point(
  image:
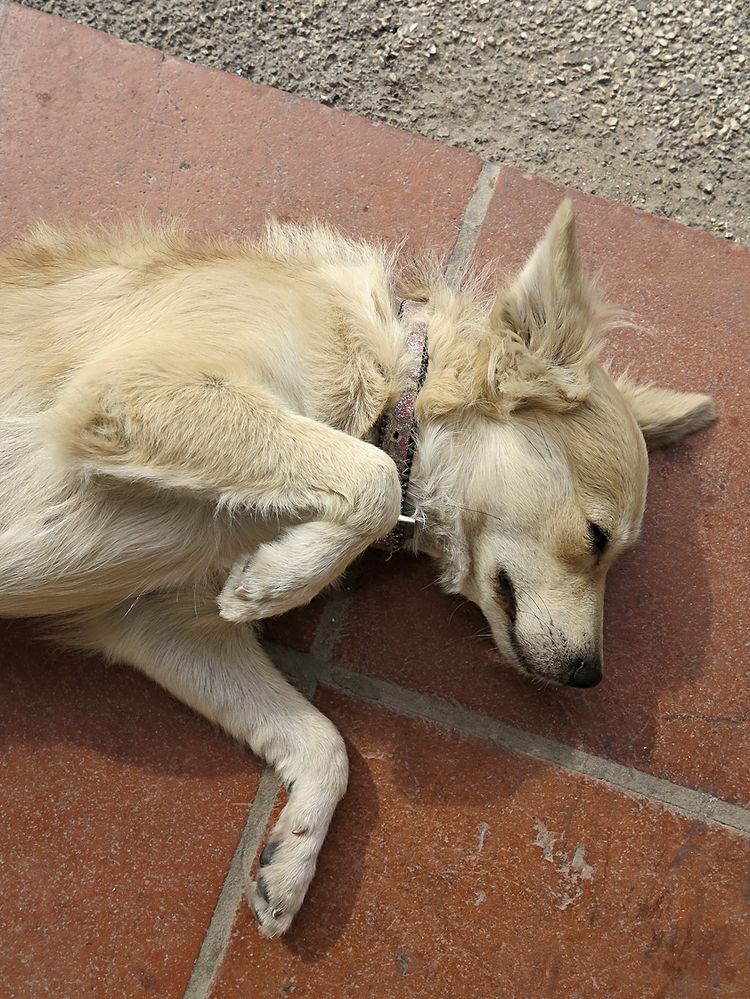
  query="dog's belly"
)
[{"x": 63, "y": 551}]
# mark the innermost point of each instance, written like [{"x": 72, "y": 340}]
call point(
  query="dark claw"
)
[
  {"x": 262, "y": 889},
  {"x": 289, "y": 787},
  {"x": 268, "y": 851}
]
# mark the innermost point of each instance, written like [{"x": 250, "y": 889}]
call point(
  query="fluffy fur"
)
[{"x": 183, "y": 452}]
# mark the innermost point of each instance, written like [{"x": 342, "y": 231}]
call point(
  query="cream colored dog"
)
[{"x": 181, "y": 422}]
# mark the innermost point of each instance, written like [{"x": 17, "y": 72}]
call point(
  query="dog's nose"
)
[{"x": 586, "y": 673}]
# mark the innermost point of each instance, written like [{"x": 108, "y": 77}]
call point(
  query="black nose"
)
[{"x": 586, "y": 673}]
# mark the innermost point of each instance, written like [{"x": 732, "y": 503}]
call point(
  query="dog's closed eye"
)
[{"x": 598, "y": 538}]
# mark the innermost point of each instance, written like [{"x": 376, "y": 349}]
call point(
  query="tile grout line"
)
[
  {"x": 695, "y": 804},
  {"x": 334, "y": 616},
  {"x": 336, "y": 610},
  {"x": 404, "y": 701},
  {"x": 2, "y": 18},
  {"x": 304, "y": 670},
  {"x": 463, "y": 248},
  {"x": 308, "y": 667},
  {"x": 219, "y": 928}
]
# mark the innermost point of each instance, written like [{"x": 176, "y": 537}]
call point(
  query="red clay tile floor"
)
[{"x": 497, "y": 840}]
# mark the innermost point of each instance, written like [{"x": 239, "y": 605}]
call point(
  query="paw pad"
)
[{"x": 268, "y": 851}]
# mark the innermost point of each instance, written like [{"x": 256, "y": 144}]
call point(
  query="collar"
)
[{"x": 397, "y": 432}]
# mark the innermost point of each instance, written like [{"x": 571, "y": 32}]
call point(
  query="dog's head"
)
[{"x": 535, "y": 460}]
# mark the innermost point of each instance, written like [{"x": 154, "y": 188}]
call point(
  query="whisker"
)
[
  {"x": 468, "y": 509},
  {"x": 456, "y": 609},
  {"x": 544, "y": 602},
  {"x": 480, "y": 634},
  {"x": 137, "y": 598},
  {"x": 532, "y": 444},
  {"x": 544, "y": 436}
]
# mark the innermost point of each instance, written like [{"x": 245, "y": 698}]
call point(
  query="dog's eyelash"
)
[{"x": 598, "y": 537}]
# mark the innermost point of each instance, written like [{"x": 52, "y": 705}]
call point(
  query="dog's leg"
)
[
  {"x": 289, "y": 571},
  {"x": 223, "y": 673},
  {"x": 234, "y": 442}
]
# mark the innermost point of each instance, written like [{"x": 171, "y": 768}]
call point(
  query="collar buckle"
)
[{"x": 408, "y": 524}]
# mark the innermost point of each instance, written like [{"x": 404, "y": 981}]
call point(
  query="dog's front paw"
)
[
  {"x": 285, "y": 870},
  {"x": 261, "y": 586},
  {"x": 241, "y": 597},
  {"x": 284, "y": 573}
]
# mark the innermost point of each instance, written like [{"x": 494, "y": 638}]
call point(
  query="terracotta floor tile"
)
[
  {"x": 121, "y": 811},
  {"x": 677, "y": 637},
  {"x": 92, "y": 127},
  {"x": 678, "y": 627},
  {"x": 298, "y": 628},
  {"x": 453, "y": 869}
]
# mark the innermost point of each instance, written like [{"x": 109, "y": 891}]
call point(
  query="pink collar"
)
[{"x": 398, "y": 426}]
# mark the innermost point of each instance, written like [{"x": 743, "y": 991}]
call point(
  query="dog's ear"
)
[
  {"x": 665, "y": 416},
  {"x": 544, "y": 325},
  {"x": 541, "y": 343}
]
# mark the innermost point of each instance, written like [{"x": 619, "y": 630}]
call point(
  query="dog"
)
[{"x": 187, "y": 447}]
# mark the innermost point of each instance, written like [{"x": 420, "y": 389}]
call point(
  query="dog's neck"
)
[
  {"x": 424, "y": 453},
  {"x": 427, "y": 522},
  {"x": 430, "y": 495},
  {"x": 434, "y": 490}
]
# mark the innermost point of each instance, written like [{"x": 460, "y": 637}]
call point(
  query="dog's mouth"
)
[
  {"x": 582, "y": 670},
  {"x": 524, "y": 663},
  {"x": 505, "y": 595}
]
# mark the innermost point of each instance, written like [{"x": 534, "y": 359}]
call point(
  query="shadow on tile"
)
[
  {"x": 659, "y": 635},
  {"x": 55, "y": 697}
]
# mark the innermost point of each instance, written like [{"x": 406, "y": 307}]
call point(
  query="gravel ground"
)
[{"x": 646, "y": 103}]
